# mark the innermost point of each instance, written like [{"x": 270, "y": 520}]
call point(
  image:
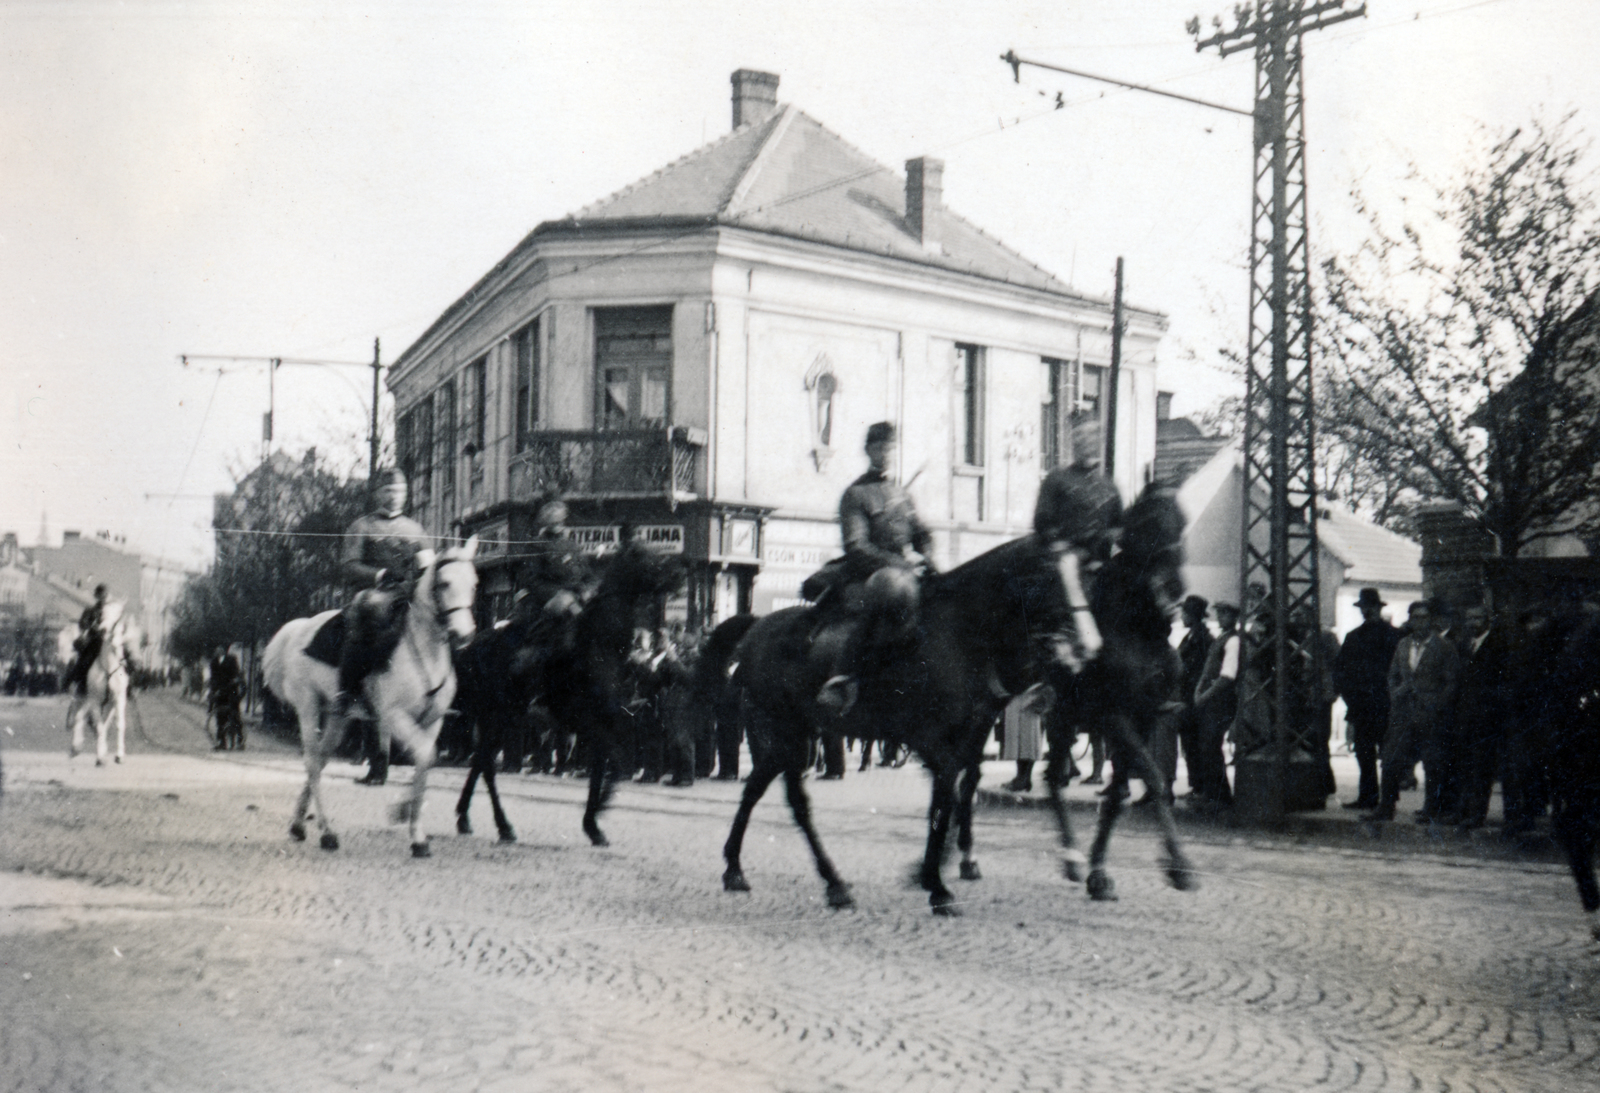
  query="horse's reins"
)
[{"x": 440, "y": 615}]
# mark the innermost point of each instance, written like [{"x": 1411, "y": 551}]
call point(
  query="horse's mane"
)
[{"x": 977, "y": 575}]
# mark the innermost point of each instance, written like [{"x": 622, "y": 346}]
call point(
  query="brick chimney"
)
[
  {"x": 924, "y": 197},
  {"x": 755, "y": 95}
]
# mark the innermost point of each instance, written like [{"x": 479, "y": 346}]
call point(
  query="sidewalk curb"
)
[{"x": 1336, "y": 832}]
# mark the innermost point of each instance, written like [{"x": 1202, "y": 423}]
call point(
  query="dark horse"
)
[
  {"x": 576, "y": 679},
  {"x": 981, "y": 639},
  {"x": 1130, "y": 687}
]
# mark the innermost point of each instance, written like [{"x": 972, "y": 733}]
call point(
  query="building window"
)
[
  {"x": 447, "y": 453},
  {"x": 525, "y": 349},
  {"x": 1055, "y": 374},
  {"x": 633, "y": 365},
  {"x": 1072, "y": 414},
  {"x": 972, "y": 404},
  {"x": 1088, "y": 417},
  {"x": 478, "y": 385},
  {"x": 414, "y": 451}
]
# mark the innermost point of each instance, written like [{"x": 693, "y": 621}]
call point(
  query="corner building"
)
[{"x": 699, "y": 356}]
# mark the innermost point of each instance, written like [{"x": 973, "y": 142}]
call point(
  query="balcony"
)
[{"x": 621, "y": 463}]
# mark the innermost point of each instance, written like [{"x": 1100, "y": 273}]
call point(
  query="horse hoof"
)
[
  {"x": 970, "y": 871},
  {"x": 1102, "y": 888},
  {"x": 330, "y": 841},
  {"x": 1182, "y": 877},
  {"x": 420, "y": 850},
  {"x": 463, "y": 825},
  {"x": 733, "y": 881},
  {"x": 119, "y": 759},
  {"x": 507, "y": 835},
  {"x": 839, "y": 897},
  {"x": 596, "y": 836},
  {"x": 297, "y": 832},
  {"x": 99, "y": 762},
  {"x": 72, "y": 753},
  {"x": 400, "y": 813},
  {"x": 944, "y": 905},
  {"x": 1073, "y": 865}
]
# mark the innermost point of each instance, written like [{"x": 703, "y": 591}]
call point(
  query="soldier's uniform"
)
[
  {"x": 887, "y": 549},
  {"x": 1076, "y": 514},
  {"x": 88, "y": 641},
  {"x": 381, "y": 562},
  {"x": 880, "y": 526}
]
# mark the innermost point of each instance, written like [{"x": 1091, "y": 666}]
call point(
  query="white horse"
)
[
  {"x": 409, "y": 695},
  {"x": 107, "y": 692}
]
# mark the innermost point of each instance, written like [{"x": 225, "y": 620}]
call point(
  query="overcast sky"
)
[{"x": 296, "y": 179}]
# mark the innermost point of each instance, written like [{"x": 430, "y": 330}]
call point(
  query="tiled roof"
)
[
  {"x": 1372, "y": 555},
  {"x": 1181, "y": 450},
  {"x": 790, "y": 175}
]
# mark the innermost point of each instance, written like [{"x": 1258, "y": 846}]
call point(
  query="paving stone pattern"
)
[{"x": 161, "y": 932}]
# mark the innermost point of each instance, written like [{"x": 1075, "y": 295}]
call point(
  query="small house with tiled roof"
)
[
  {"x": 1355, "y": 553},
  {"x": 698, "y": 357}
]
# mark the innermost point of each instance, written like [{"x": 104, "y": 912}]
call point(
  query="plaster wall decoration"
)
[{"x": 822, "y": 387}]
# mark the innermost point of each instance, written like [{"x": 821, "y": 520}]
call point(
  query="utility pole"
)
[
  {"x": 274, "y": 363},
  {"x": 372, "y": 450},
  {"x": 1278, "y": 585},
  {"x": 1114, "y": 379}
]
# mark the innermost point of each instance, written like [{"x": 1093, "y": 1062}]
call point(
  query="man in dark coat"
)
[
  {"x": 1192, "y": 653},
  {"x": 225, "y": 691},
  {"x": 1361, "y": 675},
  {"x": 1216, "y": 701},
  {"x": 1423, "y": 677},
  {"x": 1482, "y": 706}
]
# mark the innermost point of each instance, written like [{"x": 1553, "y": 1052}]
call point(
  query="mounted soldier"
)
[
  {"x": 384, "y": 552},
  {"x": 552, "y": 583},
  {"x": 886, "y": 554},
  {"x": 87, "y": 643},
  {"x": 1077, "y": 515}
]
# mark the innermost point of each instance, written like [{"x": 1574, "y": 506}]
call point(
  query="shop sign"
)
[
  {"x": 492, "y": 539},
  {"x": 665, "y": 538},
  {"x": 740, "y": 539}
]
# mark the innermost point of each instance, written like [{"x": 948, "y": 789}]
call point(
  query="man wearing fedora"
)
[{"x": 1361, "y": 675}]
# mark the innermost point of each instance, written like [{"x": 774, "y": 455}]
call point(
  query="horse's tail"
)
[{"x": 711, "y": 671}]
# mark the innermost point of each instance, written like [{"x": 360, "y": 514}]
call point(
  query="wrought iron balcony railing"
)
[{"x": 616, "y": 463}]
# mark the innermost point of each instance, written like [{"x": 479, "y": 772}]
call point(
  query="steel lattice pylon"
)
[{"x": 1279, "y": 586}]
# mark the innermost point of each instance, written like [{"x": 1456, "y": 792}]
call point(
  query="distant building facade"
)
[{"x": 699, "y": 355}]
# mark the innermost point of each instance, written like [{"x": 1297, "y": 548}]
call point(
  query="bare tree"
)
[
  {"x": 278, "y": 542},
  {"x": 1459, "y": 357}
]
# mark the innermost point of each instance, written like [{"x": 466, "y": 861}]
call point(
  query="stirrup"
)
[{"x": 839, "y": 694}]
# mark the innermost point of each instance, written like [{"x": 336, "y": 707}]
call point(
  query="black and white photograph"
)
[{"x": 763, "y": 546}]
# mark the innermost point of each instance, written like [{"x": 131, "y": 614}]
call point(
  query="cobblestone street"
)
[{"x": 159, "y": 930}]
